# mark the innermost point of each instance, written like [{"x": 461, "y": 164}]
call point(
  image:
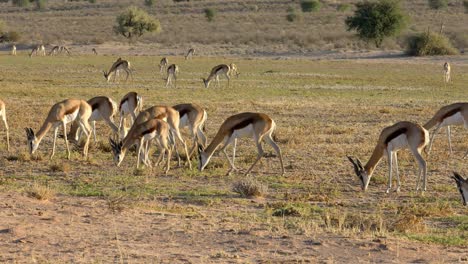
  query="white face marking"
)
[
  {"x": 456, "y": 119},
  {"x": 397, "y": 143},
  {"x": 71, "y": 117}
]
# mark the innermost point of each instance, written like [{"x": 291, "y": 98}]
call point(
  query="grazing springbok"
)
[
  {"x": 94, "y": 51},
  {"x": 171, "y": 116},
  {"x": 62, "y": 113},
  {"x": 256, "y": 125},
  {"x": 194, "y": 117},
  {"x": 233, "y": 70},
  {"x": 449, "y": 115},
  {"x": 401, "y": 135},
  {"x": 103, "y": 108},
  {"x": 117, "y": 66},
  {"x": 446, "y": 72},
  {"x": 34, "y": 51},
  {"x": 462, "y": 185},
  {"x": 221, "y": 69},
  {"x": 130, "y": 105},
  {"x": 13, "y": 50},
  {"x": 172, "y": 72},
  {"x": 190, "y": 53},
  {"x": 54, "y": 50},
  {"x": 142, "y": 134},
  {"x": 7, "y": 129},
  {"x": 163, "y": 64}
]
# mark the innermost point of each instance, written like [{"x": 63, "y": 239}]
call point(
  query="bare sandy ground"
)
[{"x": 84, "y": 230}]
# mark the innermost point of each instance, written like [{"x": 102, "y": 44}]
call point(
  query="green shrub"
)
[
  {"x": 343, "y": 7},
  {"x": 465, "y": 4},
  {"x": 292, "y": 15},
  {"x": 430, "y": 43},
  {"x": 310, "y": 5},
  {"x": 11, "y": 36},
  {"x": 92, "y": 1},
  {"x": 437, "y": 4},
  {"x": 149, "y": 3},
  {"x": 134, "y": 22},
  {"x": 210, "y": 14},
  {"x": 21, "y": 3},
  {"x": 41, "y": 4}
]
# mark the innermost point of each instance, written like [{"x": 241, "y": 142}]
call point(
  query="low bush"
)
[{"x": 428, "y": 44}]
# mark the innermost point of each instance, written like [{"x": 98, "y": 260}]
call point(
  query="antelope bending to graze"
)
[
  {"x": 103, "y": 108},
  {"x": 34, "y": 51},
  {"x": 190, "y": 53},
  {"x": 462, "y": 185},
  {"x": 221, "y": 69},
  {"x": 3, "y": 116},
  {"x": 233, "y": 70},
  {"x": 256, "y": 125},
  {"x": 172, "y": 72},
  {"x": 130, "y": 105},
  {"x": 401, "y": 135},
  {"x": 94, "y": 51},
  {"x": 54, "y": 50},
  {"x": 454, "y": 114},
  {"x": 13, "y": 50},
  {"x": 117, "y": 66},
  {"x": 171, "y": 116},
  {"x": 446, "y": 72},
  {"x": 62, "y": 113},
  {"x": 194, "y": 117},
  {"x": 163, "y": 64},
  {"x": 142, "y": 134}
]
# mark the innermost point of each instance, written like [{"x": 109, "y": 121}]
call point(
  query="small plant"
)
[
  {"x": 117, "y": 203},
  {"x": 210, "y": 14},
  {"x": 41, "y": 4},
  {"x": 343, "y": 7},
  {"x": 428, "y": 44},
  {"x": 437, "y": 4},
  {"x": 40, "y": 192},
  {"x": 135, "y": 22},
  {"x": 310, "y": 5},
  {"x": 92, "y": 1},
  {"x": 292, "y": 15},
  {"x": 149, "y": 3},
  {"x": 465, "y": 4},
  {"x": 287, "y": 210},
  {"x": 21, "y": 3},
  {"x": 60, "y": 167},
  {"x": 250, "y": 188}
]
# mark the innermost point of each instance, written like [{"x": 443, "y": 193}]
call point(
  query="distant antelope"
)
[
  {"x": 117, "y": 66},
  {"x": 462, "y": 185},
  {"x": 163, "y": 64},
  {"x": 142, "y": 134},
  {"x": 454, "y": 114},
  {"x": 190, "y": 53},
  {"x": 172, "y": 72},
  {"x": 34, "y": 51},
  {"x": 401, "y": 135},
  {"x": 3, "y": 116},
  {"x": 94, "y": 51},
  {"x": 13, "y": 50},
  {"x": 54, "y": 50},
  {"x": 233, "y": 70},
  {"x": 41, "y": 50},
  {"x": 446, "y": 72},
  {"x": 256, "y": 125},
  {"x": 103, "y": 108},
  {"x": 221, "y": 69},
  {"x": 59, "y": 115},
  {"x": 194, "y": 117},
  {"x": 64, "y": 49},
  {"x": 130, "y": 105}
]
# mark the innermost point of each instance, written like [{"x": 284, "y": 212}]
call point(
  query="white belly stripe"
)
[
  {"x": 400, "y": 142},
  {"x": 456, "y": 119},
  {"x": 243, "y": 132}
]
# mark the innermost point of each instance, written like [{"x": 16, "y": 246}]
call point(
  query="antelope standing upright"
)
[
  {"x": 13, "y": 50},
  {"x": 41, "y": 50},
  {"x": 462, "y": 185},
  {"x": 61, "y": 114},
  {"x": 401, "y": 135},
  {"x": 449, "y": 115},
  {"x": 4, "y": 119},
  {"x": 233, "y": 70},
  {"x": 163, "y": 64},
  {"x": 117, "y": 66},
  {"x": 446, "y": 72},
  {"x": 172, "y": 72},
  {"x": 190, "y": 53},
  {"x": 221, "y": 69},
  {"x": 256, "y": 125},
  {"x": 194, "y": 117},
  {"x": 130, "y": 105}
]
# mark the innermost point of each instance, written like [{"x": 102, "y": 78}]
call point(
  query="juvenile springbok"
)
[
  {"x": 256, "y": 125},
  {"x": 449, "y": 115},
  {"x": 221, "y": 69},
  {"x": 103, "y": 108},
  {"x": 13, "y": 50},
  {"x": 446, "y": 72},
  {"x": 194, "y": 117},
  {"x": 233, "y": 70},
  {"x": 142, "y": 134},
  {"x": 190, "y": 53},
  {"x": 163, "y": 64},
  {"x": 4, "y": 119},
  {"x": 130, "y": 105},
  {"x": 401, "y": 135},
  {"x": 62, "y": 113},
  {"x": 462, "y": 185},
  {"x": 117, "y": 66},
  {"x": 172, "y": 72},
  {"x": 171, "y": 116}
]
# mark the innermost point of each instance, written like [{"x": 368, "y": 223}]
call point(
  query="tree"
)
[
  {"x": 437, "y": 4},
  {"x": 134, "y": 22},
  {"x": 209, "y": 14},
  {"x": 375, "y": 21}
]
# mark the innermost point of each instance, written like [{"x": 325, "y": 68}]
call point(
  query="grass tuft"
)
[{"x": 250, "y": 188}]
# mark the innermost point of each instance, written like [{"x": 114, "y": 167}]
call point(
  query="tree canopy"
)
[{"x": 135, "y": 22}]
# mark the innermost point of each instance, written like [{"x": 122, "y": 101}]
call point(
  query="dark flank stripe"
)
[
  {"x": 183, "y": 112},
  {"x": 149, "y": 131},
  {"x": 395, "y": 134},
  {"x": 72, "y": 110},
  {"x": 122, "y": 102},
  {"x": 94, "y": 106},
  {"x": 451, "y": 113}
]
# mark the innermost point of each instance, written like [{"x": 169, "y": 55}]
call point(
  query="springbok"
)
[
  {"x": 462, "y": 185},
  {"x": 446, "y": 72},
  {"x": 221, "y": 69},
  {"x": 172, "y": 72},
  {"x": 233, "y": 70},
  {"x": 94, "y": 51},
  {"x": 117, "y": 66},
  {"x": 130, "y": 105},
  {"x": 256, "y": 125},
  {"x": 4, "y": 119},
  {"x": 194, "y": 117},
  {"x": 190, "y": 53},
  {"x": 401, "y": 135},
  {"x": 61, "y": 114},
  {"x": 163, "y": 64},
  {"x": 13, "y": 50}
]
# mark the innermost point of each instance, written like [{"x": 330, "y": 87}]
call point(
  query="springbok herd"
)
[{"x": 162, "y": 124}]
